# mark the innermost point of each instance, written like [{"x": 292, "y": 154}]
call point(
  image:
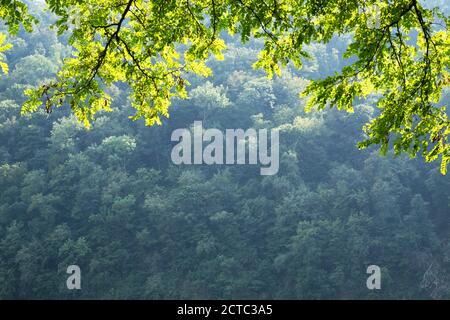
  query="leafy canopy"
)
[{"x": 400, "y": 53}]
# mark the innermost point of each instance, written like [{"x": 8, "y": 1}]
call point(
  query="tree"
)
[
  {"x": 209, "y": 98},
  {"x": 399, "y": 51}
]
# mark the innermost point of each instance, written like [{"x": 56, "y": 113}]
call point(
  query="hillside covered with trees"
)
[{"x": 110, "y": 200}]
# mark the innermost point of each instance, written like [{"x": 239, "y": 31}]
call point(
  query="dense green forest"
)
[{"x": 110, "y": 200}]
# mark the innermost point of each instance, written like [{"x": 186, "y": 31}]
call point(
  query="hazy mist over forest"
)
[{"x": 111, "y": 201}]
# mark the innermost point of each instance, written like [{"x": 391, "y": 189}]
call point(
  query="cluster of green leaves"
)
[
  {"x": 399, "y": 52},
  {"x": 128, "y": 41},
  {"x": 405, "y": 61},
  {"x": 14, "y": 14}
]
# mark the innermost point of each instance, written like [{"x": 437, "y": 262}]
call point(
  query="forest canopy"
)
[
  {"x": 399, "y": 52},
  {"x": 112, "y": 201}
]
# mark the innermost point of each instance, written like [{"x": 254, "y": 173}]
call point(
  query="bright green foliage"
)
[
  {"x": 14, "y": 14},
  {"x": 3, "y": 48},
  {"x": 400, "y": 52}
]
